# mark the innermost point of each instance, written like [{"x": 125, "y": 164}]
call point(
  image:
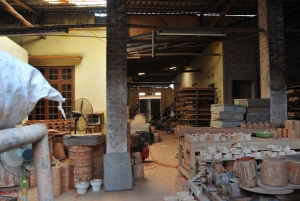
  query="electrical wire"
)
[
  {"x": 150, "y": 166},
  {"x": 160, "y": 163},
  {"x": 96, "y": 36},
  {"x": 178, "y": 45},
  {"x": 267, "y": 81}
]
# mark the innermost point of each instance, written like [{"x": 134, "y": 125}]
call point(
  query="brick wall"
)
[
  {"x": 272, "y": 50},
  {"x": 240, "y": 62},
  {"x": 272, "y": 58},
  {"x": 116, "y": 77}
]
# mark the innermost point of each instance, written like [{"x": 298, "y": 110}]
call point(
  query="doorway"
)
[
  {"x": 150, "y": 107},
  {"x": 242, "y": 89}
]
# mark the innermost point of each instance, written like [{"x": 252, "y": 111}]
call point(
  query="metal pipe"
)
[{"x": 37, "y": 134}]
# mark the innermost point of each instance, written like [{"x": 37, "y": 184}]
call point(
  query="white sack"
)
[{"x": 21, "y": 87}]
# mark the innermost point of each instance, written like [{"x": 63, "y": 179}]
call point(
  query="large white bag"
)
[{"x": 21, "y": 87}]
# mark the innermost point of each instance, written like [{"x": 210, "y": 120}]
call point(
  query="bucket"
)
[
  {"x": 246, "y": 169},
  {"x": 96, "y": 184},
  {"x": 82, "y": 187}
]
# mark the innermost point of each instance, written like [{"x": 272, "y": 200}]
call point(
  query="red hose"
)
[{"x": 160, "y": 163}]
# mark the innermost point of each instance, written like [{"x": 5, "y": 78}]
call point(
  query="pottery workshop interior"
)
[{"x": 141, "y": 100}]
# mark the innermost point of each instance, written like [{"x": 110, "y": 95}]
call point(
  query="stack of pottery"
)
[
  {"x": 218, "y": 137},
  {"x": 236, "y": 151},
  {"x": 240, "y": 136},
  {"x": 274, "y": 151}
]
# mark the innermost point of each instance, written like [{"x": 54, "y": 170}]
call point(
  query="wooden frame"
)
[{"x": 62, "y": 78}]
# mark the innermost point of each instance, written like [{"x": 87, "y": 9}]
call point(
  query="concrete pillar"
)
[
  {"x": 116, "y": 76},
  {"x": 272, "y": 58}
]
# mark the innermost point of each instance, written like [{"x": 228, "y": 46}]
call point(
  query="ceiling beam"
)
[
  {"x": 294, "y": 24},
  {"x": 175, "y": 54},
  {"x": 293, "y": 9},
  {"x": 279, "y": 1},
  {"x": 232, "y": 30},
  {"x": 20, "y": 3},
  {"x": 44, "y": 29},
  {"x": 224, "y": 12},
  {"x": 215, "y": 6},
  {"x": 169, "y": 39},
  {"x": 12, "y": 11}
]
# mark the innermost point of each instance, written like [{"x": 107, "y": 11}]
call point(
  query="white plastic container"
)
[
  {"x": 82, "y": 187},
  {"x": 96, "y": 184}
]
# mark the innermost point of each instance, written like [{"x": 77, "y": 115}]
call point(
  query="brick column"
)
[
  {"x": 272, "y": 58},
  {"x": 116, "y": 73}
]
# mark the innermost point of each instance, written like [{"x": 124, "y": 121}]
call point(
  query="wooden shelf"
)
[
  {"x": 293, "y": 92},
  {"x": 200, "y": 98}
]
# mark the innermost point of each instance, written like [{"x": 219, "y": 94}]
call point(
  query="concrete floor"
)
[{"x": 159, "y": 180}]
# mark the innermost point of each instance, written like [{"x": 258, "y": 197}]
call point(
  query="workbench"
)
[{"x": 194, "y": 147}]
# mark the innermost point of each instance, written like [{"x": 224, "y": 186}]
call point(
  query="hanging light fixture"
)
[{"x": 190, "y": 33}]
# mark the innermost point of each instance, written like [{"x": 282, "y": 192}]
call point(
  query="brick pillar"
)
[
  {"x": 272, "y": 58},
  {"x": 116, "y": 73}
]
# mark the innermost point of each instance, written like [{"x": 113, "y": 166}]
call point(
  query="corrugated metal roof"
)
[
  {"x": 65, "y": 6},
  {"x": 210, "y": 9}
]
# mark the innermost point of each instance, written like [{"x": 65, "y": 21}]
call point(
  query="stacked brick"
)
[
  {"x": 258, "y": 110},
  {"x": 65, "y": 178},
  {"x": 56, "y": 180},
  {"x": 62, "y": 125},
  {"x": 98, "y": 153},
  {"x": 291, "y": 129},
  {"x": 81, "y": 164},
  {"x": 226, "y": 115},
  {"x": 32, "y": 178}
]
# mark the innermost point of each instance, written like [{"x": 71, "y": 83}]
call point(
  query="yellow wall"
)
[
  {"x": 211, "y": 71},
  {"x": 90, "y": 73},
  {"x": 15, "y": 50},
  {"x": 167, "y": 97}
]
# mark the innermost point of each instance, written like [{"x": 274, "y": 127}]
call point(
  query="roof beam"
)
[
  {"x": 179, "y": 45},
  {"x": 175, "y": 54},
  {"x": 278, "y": 1},
  {"x": 232, "y": 30},
  {"x": 293, "y": 9},
  {"x": 294, "y": 24},
  {"x": 225, "y": 11},
  {"x": 19, "y": 2},
  {"x": 169, "y": 39},
  {"x": 12, "y": 11},
  {"x": 44, "y": 29},
  {"x": 215, "y": 6}
]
